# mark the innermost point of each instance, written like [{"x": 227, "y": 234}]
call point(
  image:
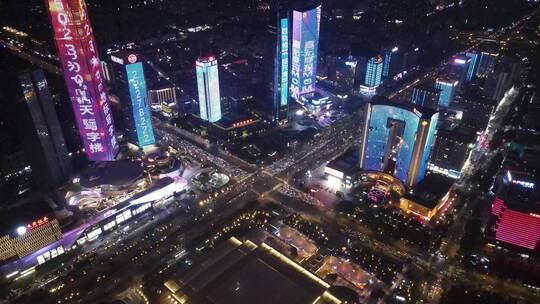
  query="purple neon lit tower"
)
[{"x": 78, "y": 54}]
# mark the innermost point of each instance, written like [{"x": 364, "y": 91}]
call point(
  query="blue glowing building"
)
[
  {"x": 277, "y": 63},
  {"x": 130, "y": 84},
  {"x": 373, "y": 76},
  {"x": 448, "y": 90},
  {"x": 459, "y": 68},
  {"x": 208, "y": 88},
  {"x": 426, "y": 96},
  {"x": 397, "y": 140},
  {"x": 306, "y": 18},
  {"x": 388, "y": 63},
  {"x": 473, "y": 55},
  {"x": 486, "y": 64}
]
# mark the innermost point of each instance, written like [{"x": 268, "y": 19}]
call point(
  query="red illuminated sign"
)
[
  {"x": 132, "y": 58},
  {"x": 242, "y": 123},
  {"x": 38, "y": 223}
]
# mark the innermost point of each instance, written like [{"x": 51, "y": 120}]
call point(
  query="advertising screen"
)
[{"x": 139, "y": 103}]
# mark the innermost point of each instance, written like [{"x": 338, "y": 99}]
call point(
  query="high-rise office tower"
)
[
  {"x": 471, "y": 72},
  {"x": 374, "y": 72},
  {"x": 497, "y": 84},
  {"x": 41, "y": 133},
  {"x": 460, "y": 68},
  {"x": 501, "y": 80},
  {"x": 277, "y": 62},
  {"x": 345, "y": 73},
  {"x": 130, "y": 84},
  {"x": 388, "y": 63},
  {"x": 208, "y": 87},
  {"x": 486, "y": 63},
  {"x": 331, "y": 66},
  {"x": 408, "y": 59},
  {"x": 306, "y": 18},
  {"x": 448, "y": 90},
  {"x": 78, "y": 54},
  {"x": 451, "y": 150},
  {"x": 373, "y": 75},
  {"x": 397, "y": 140},
  {"x": 426, "y": 96}
]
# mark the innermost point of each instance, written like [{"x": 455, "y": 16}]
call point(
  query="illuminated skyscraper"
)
[
  {"x": 425, "y": 96},
  {"x": 486, "y": 64},
  {"x": 346, "y": 73},
  {"x": 130, "y": 85},
  {"x": 305, "y": 44},
  {"x": 473, "y": 55},
  {"x": 397, "y": 140},
  {"x": 78, "y": 54},
  {"x": 389, "y": 58},
  {"x": 42, "y": 135},
  {"x": 374, "y": 72},
  {"x": 277, "y": 63},
  {"x": 460, "y": 68},
  {"x": 448, "y": 90},
  {"x": 504, "y": 75},
  {"x": 373, "y": 77},
  {"x": 208, "y": 87}
]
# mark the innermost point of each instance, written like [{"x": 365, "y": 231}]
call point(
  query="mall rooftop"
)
[{"x": 243, "y": 272}]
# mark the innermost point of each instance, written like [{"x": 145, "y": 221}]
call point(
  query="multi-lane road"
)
[{"x": 147, "y": 248}]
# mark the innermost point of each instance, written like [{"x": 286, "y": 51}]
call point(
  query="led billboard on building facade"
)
[
  {"x": 378, "y": 135},
  {"x": 82, "y": 73},
  {"x": 284, "y": 88},
  {"x": 139, "y": 104},
  {"x": 305, "y": 43}
]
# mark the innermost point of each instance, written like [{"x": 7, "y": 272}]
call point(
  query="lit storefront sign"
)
[
  {"x": 37, "y": 223},
  {"x": 51, "y": 254}
]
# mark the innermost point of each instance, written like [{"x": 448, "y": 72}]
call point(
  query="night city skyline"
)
[{"x": 270, "y": 151}]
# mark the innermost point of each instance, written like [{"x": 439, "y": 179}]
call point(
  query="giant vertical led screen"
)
[
  {"x": 78, "y": 54},
  {"x": 379, "y": 133},
  {"x": 139, "y": 104},
  {"x": 284, "y": 49},
  {"x": 305, "y": 43}
]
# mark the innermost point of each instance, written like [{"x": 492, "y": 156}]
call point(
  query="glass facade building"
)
[
  {"x": 84, "y": 78},
  {"x": 486, "y": 63},
  {"x": 472, "y": 65},
  {"x": 305, "y": 44},
  {"x": 448, "y": 90},
  {"x": 44, "y": 142},
  {"x": 374, "y": 72},
  {"x": 397, "y": 140},
  {"x": 389, "y": 55},
  {"x": 460, "y": 68},
  {"x": 390, "y": 140},
  {"x": 426, "y": 96},
  {"x": 129, "y": 83},
  {"x": 208, "y": 88}
]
